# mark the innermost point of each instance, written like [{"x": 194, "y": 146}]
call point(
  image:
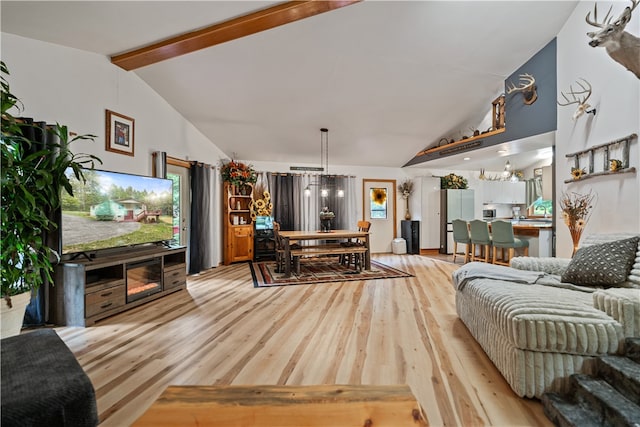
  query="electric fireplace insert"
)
[{"x": 144, "y": 278}]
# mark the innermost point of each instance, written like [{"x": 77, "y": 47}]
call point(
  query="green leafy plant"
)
[
  {"x": 453, "y": 182},
  {"x": 33, "y": 176}
]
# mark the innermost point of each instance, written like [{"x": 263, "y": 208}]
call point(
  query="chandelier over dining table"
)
[{"x": 323, "y": 181}]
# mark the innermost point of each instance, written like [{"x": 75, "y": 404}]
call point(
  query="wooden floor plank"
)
[{"x": 223, "y": 331}]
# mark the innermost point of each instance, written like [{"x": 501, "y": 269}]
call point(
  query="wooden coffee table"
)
[{"x": 261, "y": 405}]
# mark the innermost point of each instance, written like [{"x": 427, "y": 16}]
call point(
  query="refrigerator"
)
[{"x": 454, "y": 204}]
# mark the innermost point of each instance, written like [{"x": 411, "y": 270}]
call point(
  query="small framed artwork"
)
[
  {"x": 537, "y": 172},
  {"x": 120, "y": 133}
]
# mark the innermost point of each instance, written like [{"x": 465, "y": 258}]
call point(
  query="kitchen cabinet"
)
[{"x": 505, "y": 192}]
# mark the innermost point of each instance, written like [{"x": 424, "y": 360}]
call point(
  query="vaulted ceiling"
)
[{"x": 388, "y": 78}]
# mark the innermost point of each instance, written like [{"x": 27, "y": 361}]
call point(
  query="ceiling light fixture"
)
[
  {"x": 324, "y": 166},
  {"x": 507, "y": 170}
]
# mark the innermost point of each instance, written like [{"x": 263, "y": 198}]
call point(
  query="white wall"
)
[
  {"x": 616, "y": 96},
  {"x": 74, "y": 87}
]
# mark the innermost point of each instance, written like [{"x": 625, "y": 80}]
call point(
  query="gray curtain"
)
[
  {"x": 534, "y": 190},
  {"x": 282, "y": 194},
  {"x": 37, "y": 312},
  {"x": 201, "y": 246},
  {"x": 160, "y": 164},
  {"x": 296, "y": 211}
]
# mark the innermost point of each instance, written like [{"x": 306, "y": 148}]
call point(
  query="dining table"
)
[{"x": 289, "y": 236}]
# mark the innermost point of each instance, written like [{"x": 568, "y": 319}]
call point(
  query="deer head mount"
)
[
  {"x": 527, "y": 87},
  {"x": 579, "y": 97},
  {"x": 621, "y": 46}
]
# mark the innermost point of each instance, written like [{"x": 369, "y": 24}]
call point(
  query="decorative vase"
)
[
  {"x": 575, "y": 249},
  {"x": 407, "y": 214},
  {"x": 325, "y": 222},
  {"x": 576, "y": 233},
  {"x": 13, "y": 316}
]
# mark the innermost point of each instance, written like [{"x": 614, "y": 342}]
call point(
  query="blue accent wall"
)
[{"x": 521, "y": 121}]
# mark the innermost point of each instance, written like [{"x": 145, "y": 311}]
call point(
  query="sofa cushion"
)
[
  {"x": 43, "y": 384},
  {"x": 633, "y": 280},
  {"x": 605, "y": 264}
]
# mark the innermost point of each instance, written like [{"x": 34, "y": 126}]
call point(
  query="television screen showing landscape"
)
[{"x": 114, "y": 209}]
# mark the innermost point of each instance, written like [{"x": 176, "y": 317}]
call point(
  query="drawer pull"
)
[
  {"x": 109, "y": 304},
  {"x": 106, "y": 294}
]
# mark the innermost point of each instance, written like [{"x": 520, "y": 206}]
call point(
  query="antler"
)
[
  {"x": 529, "y": 82},
  {"x": 595, "y": 16},
  {"x": 607, "y": 19},
  {"x": 628, "y": 10},
  {"x": 573, "y": 94}
]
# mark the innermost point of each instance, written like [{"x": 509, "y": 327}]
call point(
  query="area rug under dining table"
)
[{"x": 319, "y": 270}]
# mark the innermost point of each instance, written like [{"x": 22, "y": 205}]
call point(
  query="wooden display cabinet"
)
[{"x": 237, "y": 223}]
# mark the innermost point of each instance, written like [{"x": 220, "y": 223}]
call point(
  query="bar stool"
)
[
  {"x": 461, "y": 235},
  {"x": 479, "y": 233},
  {"x": 502, "y": 232}
]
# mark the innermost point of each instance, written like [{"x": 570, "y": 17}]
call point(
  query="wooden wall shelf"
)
[
  {"x": 460, "y": 143},
  {"x": 593, "y": 175},
  {"x": 605, "y": 148}
]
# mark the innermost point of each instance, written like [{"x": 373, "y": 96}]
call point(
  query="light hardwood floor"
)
[{"x": 222, "y": 330}]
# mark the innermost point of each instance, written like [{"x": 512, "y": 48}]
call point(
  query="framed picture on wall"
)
[{"x": 120, "y": 133}]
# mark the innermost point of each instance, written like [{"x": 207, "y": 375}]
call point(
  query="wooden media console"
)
[{"x": 89, "y": 290}]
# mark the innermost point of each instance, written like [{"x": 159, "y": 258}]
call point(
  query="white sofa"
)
[{"x": 536, "y": 330}]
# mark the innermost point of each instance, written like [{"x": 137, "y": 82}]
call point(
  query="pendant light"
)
[{"x": 324, "y": 163}]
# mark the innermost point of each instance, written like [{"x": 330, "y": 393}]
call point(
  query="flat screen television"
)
[
  {"x": 264, "y": 223},
  {"x": 113, "y": 209}
]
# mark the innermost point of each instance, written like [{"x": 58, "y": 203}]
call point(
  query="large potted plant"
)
[{"x": 33, "y": 176}]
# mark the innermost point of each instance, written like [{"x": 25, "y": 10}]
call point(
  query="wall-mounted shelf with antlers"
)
[{"x": 605, "y": 148}]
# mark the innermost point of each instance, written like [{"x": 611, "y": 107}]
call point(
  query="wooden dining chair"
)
[
  {"x": 280, "y": 258},
  {"x": 356, "y": 258}
]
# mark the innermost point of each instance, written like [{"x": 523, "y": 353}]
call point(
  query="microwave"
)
[{"x": 488, "y": 213}]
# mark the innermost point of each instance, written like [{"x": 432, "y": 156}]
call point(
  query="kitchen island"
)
[{"x": 539, "y": 233}]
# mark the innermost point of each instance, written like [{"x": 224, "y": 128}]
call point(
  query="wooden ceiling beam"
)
[{"x": 232, "y": 29}]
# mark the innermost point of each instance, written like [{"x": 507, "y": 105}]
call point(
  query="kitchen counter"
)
[
  {"x": 538, "y": 232},
  {"x": 539, "y": 235},
  {"x": 530, "y": 228}
]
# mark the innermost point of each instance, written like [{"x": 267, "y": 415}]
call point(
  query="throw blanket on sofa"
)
[{"x": 481, "y": 270}]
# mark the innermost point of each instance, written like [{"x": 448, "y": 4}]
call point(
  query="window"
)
[{"x": 378, "y": 203}]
